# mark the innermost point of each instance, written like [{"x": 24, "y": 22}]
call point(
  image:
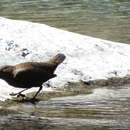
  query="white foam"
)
[{"x": 87, "y": 58}]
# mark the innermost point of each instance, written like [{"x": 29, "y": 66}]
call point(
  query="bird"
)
[{"x": 30, "y": 74}]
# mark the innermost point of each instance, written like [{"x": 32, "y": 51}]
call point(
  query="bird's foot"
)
[
  {"x": 21, "y": 95},
  {"x": 13, "y": 94},
  {"x": 17, "y": 94}
]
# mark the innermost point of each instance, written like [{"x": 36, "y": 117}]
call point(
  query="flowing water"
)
[
  {"x": 103, "y": 109},
  {"x": 107, "y": 19}
]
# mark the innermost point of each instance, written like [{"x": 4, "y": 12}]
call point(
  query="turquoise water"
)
[{"x": 107, "y": 19}]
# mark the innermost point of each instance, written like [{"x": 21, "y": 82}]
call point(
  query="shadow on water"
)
[
  {"x": 104, "y": 109},
  {"x": 28, "y": 100}
]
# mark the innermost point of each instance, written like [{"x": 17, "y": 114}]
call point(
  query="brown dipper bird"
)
[{"x": 30, "y": 74}]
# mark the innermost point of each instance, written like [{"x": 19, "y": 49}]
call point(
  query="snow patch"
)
[{"x": 87, "y": 58}]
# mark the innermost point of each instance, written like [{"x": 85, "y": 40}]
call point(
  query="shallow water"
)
[
  {"x": 104, "y": 109},
  {"x": 107, "y": 19}
]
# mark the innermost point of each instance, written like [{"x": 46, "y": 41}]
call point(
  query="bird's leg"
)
[
  {"x": 37, "y": 93},
  {"x": 19, "y": 93}
]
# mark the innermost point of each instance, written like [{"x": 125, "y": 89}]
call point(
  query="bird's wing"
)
[{"x": 25, "y": 73}]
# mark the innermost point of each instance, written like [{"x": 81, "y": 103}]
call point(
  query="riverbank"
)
[{"x": 73, "y": 89}]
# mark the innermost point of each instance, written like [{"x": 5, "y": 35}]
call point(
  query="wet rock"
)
[{"x": 114, "y": 81}]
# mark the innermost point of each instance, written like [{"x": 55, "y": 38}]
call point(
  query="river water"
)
[
  {"x": 103, "y": 109},
  {"x": 107, "y": 19}
]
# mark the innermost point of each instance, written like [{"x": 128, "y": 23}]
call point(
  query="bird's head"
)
[{"x": 59, "y": 58}]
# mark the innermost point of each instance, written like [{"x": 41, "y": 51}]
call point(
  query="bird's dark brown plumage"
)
[{"x": 30, "y": 74}]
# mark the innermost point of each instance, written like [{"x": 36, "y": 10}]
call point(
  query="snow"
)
[{"x": 87, "y": 58}]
